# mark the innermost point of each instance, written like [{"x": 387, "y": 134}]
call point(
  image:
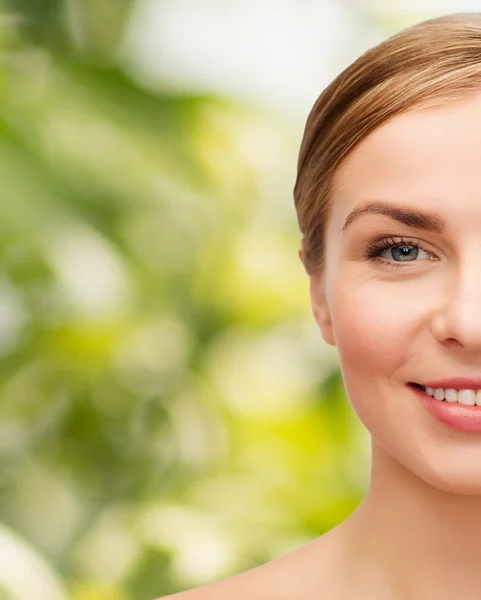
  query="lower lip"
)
[{"x": 458, "y": 416}]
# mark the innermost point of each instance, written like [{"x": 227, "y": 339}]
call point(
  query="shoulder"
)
[
  {"x": 254, "y": 585},
  {"x": 302, "y": 573}
]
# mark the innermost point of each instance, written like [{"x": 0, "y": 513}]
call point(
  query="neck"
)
[{"x": 411, "y": 540}]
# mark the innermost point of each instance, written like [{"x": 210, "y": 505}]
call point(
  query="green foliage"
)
[{"x": 168, "y": 412}]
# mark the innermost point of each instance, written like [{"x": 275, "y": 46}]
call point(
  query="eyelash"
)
[{"x": 376, "y": 248}]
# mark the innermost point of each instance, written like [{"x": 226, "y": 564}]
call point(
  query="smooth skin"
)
[{"x": 417, "y": 533}]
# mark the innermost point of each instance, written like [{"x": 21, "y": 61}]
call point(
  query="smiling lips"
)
[
  {"x": 454, "y": 402},
  {"x": 467, "y": 397},
  {"x": 461, "y": 390}
]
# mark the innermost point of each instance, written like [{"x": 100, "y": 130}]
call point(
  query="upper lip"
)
[{"x": 456, "y": 383}]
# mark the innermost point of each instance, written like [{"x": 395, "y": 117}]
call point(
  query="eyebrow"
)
[{"x": 408, "y": 216}]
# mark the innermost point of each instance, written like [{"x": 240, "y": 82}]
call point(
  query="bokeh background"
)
[{"x": 169, "y": 413}]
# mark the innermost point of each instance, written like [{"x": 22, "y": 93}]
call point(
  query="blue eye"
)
[{"x": 396, "y": 250}]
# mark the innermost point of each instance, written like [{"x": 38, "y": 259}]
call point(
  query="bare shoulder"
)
[
  {"x": 302, "y": 573},
  {"x": 254, "y": 585},
  {"x": 243, "y": 585}
]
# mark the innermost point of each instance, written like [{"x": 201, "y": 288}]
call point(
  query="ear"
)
[
  {"x": 320, "y": 308},
  {"x": 319, "y": 305}
]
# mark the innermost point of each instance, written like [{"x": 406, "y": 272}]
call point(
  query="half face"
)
[{"x": 401, "y": 292}]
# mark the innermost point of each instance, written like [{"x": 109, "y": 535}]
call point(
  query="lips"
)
[{"x": 451, "y": 414}]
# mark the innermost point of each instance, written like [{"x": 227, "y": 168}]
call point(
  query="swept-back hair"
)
[{"x": 433, "y": 62}]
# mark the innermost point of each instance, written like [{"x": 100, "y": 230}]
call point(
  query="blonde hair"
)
[{"x": 430, "y": 63}]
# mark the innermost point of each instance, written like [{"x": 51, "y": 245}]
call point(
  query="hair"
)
[{"x": 428, "y": 64}]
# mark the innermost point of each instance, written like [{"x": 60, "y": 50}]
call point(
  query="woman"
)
[{"x": 388, "y": 198}]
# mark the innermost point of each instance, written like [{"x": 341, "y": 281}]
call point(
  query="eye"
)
[
  {"x": 392, "y": 250},
  {"x": 404, "y": 253}
]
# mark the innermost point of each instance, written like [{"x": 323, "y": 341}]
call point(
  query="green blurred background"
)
[{"x": 169, "y": 413}]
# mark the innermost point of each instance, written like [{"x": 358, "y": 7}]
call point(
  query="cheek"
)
[
  {"x": 373, "y": 329},
  {"x": 376, "y": 333}
]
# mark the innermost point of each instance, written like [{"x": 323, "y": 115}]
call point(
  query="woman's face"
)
[{"x": 409, "y": 312}]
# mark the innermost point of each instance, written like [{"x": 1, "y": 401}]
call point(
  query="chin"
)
[
  {"x": 454, "y": 478},
  {"x": 452, "y": 471}
]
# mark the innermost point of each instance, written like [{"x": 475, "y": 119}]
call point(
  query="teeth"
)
[
  {"x": 468, "y": 397},
  {"x": 451, "y": 395}
]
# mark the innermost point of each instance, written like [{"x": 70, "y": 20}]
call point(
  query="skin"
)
[{"x": 417, "y": 533}]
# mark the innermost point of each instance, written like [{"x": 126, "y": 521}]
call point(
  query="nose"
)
[{"x": 458, "y": 322}]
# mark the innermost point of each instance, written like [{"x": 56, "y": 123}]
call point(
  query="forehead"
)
[{"x": 424, "y": 155}]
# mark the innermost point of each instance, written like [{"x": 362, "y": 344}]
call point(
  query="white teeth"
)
[
  {"x": 451, "y": 395},
  {"x": 468, "y": 397}
]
